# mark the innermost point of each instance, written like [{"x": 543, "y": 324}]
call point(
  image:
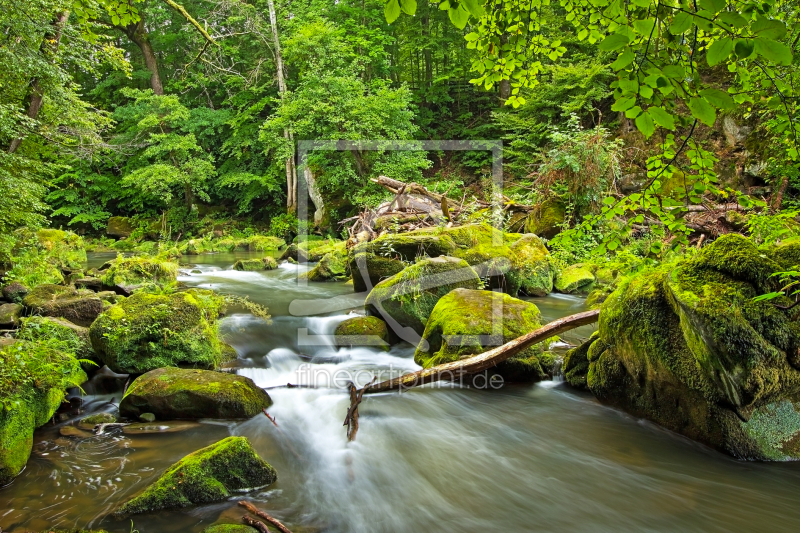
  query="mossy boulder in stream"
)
[
  {"x": 255, "y": 265},
  {"x": 127, "y": 274},
  {"x": 686, "y": 346},
  {"x": 412, "y": 245},
  {"x": 369, "y": 267},
  {"x": 229, "y": 528},
  {"x": 468, "y": 322},
  {"x": 176, "y": 393},
  {"x": 71, "y": 337},
  {"x": 408, "y": 298},
  {"x": 211, "y": 474},
  {"x": 331, "y": 267},
  {"x": 148, "y": 331},
  {"x": 362, "y": 331},
  {"x": 79, "y": 306},
  {"x": 575, "y": 279},
  {"x": 41, "y": 374}
]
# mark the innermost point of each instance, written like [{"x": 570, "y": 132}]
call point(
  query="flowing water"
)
[{"x": 538, "y": 457}]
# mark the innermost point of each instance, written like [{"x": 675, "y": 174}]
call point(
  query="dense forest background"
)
[{"x": 186, "y": 116}]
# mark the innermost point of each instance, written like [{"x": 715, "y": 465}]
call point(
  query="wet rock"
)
[
  {"x": 93, "y": 284},
  {"x": 147, "y": 417},
  {"x": 211, "y": 474},
  {"x": 575, "y": 279},
  {"x": 332, "y": 267},
  {"x": 148, "y": 331},
  {"x": 576, "y": 363},
  {"x": 10, "y": 315},
  {"x": 89, "y": 422},
  {"x": 362, "y": 331},
  {"x": 73, "y": 432},
  {"x": 15, "y": 292},
  {"x": 119, "y": 227},
  {"x": 126, "y": 274},
  {"x": 254, "y": 265},
  {"x": 374, "y": 268},
  {"x": 467, "y": 322},
  {"x": 687, "y": 347},
  {"x": 80, "y": 307},
  {"x": 175, "y": 393},
  {"x": 409, "y": 297},
  {"x": 110, "y": 297},
  {"x": 195, "y": 271}
]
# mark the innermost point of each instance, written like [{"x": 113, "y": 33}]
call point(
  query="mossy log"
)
[{"x": 486, "y": 360}]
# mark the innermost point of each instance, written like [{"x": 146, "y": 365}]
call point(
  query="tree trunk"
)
[
  {"x": 486, "y": 360},
  {"x": 291, "y": 170},
  {"x": 138, "y": 35},
  {"x": 188, "y": 196},
  {"x": 49, "y": 47}
]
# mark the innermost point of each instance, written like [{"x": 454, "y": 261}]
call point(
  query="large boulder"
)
[
  {"x": 369, "y": 269},
  {"x": 412, "y": 245},
  {"x": 468, "y": 322},
  {"x": 408, "y": 298},
  {"x": 688, "y": 347},
  {"x": 212, "y": 474},
  {"x": 79, "y": 306},
  {"x": 575, "y": 279},
  {"x": 331, "y": 267},
  {"x": 362, "y": 331},
  {"x": 255, "y": 265},
  {"x": 148, "y": 331},
  {"x": 72, "y": 337},
  {"x": 119, "y": 227},
  {"x": 10, "y": 315},
  {"x": 176, "y": 393},
  {"x": 548, "y": 218},
  {"x": 42, "y": 373},
  {"x": 126, "y": 274}
]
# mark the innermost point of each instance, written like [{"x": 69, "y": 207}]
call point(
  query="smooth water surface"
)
[{"x": 438, "y": 459}]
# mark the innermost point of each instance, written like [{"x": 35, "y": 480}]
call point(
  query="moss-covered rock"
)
[
  {"x": 412, "y": 245},
  {"x": 686, "y": 346},
  {"x": 331, "y": 267},
  {"x": 366, "y": 266},
  {"x": 576, "y": 363},
  {"x": 362, "y": 331},
  {"x": 264, "y": 243},
  {"x": 119, "y": 227},
  {"x": 230, "y": 528},
  {"x": 71, "y": 337},
  {"x": 79, "y": 306},
  {"x": 15, "y": 292},
  {"x": 409, "y": 297},
  {"x": 547, "y": 220},
  {"x": 10, "y": 315},
  {"x": 787, "y": 255},
  {"x": 575, "y": 279},
  {"x": 468, "y": 322},
  {"x": 314, "y": 250},
  {"x": 176, "y": 393},
  {"x": 530, "y": 263},
  {"x": 255, "y": 265},
  {"x": 89, "y": 422},
  {"x": 130, "y": 273},
  {"x": 42, "y": 373},
  {"x": 211, "y": 474},
  {"x": 147, "y": 331}
]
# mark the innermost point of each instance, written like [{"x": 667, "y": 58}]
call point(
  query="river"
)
[{"x": 540, "y": 457}]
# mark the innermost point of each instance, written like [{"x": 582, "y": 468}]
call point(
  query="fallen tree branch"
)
[
  {"x": 264, "y": 516},
  {"x": 252, "y": 522},
  {"x": 351, "y": 420},
  {"x": 486, "y": 360}
]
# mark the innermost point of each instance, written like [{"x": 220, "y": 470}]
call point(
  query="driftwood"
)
[
  {"x": 351, "y": 420},
  {"x": 486, "y": 360},
  {"x": 257, "y": 524},
  {"x": 264, "y": 516}
]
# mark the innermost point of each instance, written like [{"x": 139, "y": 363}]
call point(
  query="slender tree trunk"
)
[
  {"x": 138, "y": 35},
  {"x": 49, "y": 47},
  {"x": 291, "y": 171},
  {"x": 188, "y": 196}
]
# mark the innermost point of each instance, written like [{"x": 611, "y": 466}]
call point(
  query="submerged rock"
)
[
  {"x": 211, "y": 474},
  {"x": 468, "y": 322},
  {"x": 148, "y": 331},
  {"x": 80, "y": 307},
  {"x": 409, "y": 297},
  {"x": 175, "y": 393},
  {"x": 362, "y": 331},
  {"x": 687, "y": 347}
]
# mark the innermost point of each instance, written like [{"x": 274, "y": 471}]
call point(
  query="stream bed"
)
[{"x": 540, "y": 457}]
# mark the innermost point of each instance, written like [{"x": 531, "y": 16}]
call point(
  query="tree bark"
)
[
  {"x": 49, "y": 46},
  {"x": 137, "y": 33},
  {"x": 486, "y": 360}
]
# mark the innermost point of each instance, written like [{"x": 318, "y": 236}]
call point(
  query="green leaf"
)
[
  {"x": 714, "y": 6},
  {"x": 391, "y": 10},
  {"x": 719, "y": 51},
  {"x": 770, "y": 29},
  {"x": 615, "y": 41},
  {"x": 733, "y": 19},
  {"x": 633, "y": 112},
  {"x": 623, "y": 104},
  {"x": 645, "y": 124},
  {"x": 674, "y": 71},
  {"x": 624, "y": 59},
  {"x": 459, "y": 16},
  {"x": 641, "y": 3},
  {"x": 717, "y": 98},
  {"x": 661, "y": 117},
  {"x": 702, "y": 111},
  {"x": 444, "y": 6},
  {"x": 475, "y": 7},
  {"x": 773, "y": 51},
  {"x": 644, "y": 26},
  {"x": 681, "y": 23},
  {"x": 743, "y": 48},
  {"x": 409, "y": 7}
]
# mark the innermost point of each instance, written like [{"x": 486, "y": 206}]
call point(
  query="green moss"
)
[
  {"x": 255, "y": 265},
  {"x": 175, "y": 393},
  {"x": 462, "y": 325},
  {"x": 410, "y": 296},
  {"x": 211, "y": 474},
  {"x": 373, "y": 267},
  {"x": 229, "y": 528},
  {"x": 412, "y": 245},
  {"x": 314, "y": 251},
  {"x": 576, "y": 363},
  {"x": 331, "y": 267},
  {"x": 547, "y": 220},
  {"x": 148, "y": 331},
  {"x": 79, "y": 306},
  {"x": 574, "y": 279},
  {"x": 354, "y": 332},
  {"x": 787, "y": 256},
  {"x": 10, "y": 315},
  {"x": 99, "y": 418},
  {"x": 70, "y": 337},
  {"x": 264, "y": 243},
  {"x": 133, "y": 271}
]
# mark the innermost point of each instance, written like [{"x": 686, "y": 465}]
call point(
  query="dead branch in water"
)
[
  {"x": 351, "y": 420},
  {"x": 486, "y": 360},
  {"x": 264, "y": 516},
  {"x": 257, "y": 524}
]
